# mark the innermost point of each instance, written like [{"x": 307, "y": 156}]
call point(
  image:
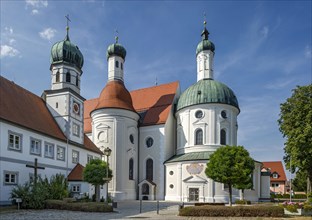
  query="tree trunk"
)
[
  {"x": 243, "y": 195},
  {"x": 309, "y": 185},
  {"x": 97, "y": 193},
  {"x": 230, "y": 192}
]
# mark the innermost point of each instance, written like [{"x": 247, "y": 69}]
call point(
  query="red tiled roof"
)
[
  {"x": 19, "y": 106},
  {"x": 76, "y": 173},
  {"x": 89, "y": 145},
  {"x": 275, "y": 167},
  {"x": 156, "y": 103},
  {"x": 115, "y": 95}
]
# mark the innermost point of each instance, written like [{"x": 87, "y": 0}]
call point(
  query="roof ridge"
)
[{"x": 152, "y": 87}]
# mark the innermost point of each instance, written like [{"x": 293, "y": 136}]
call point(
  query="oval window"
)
[
  {"x": 131, "y": 138},
  {"x": 223, "y": 114},
  {"x": 199, "y": 114}
]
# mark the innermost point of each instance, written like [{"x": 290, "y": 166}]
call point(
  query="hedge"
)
[
  {"x": 78, "y": 206},
  {"x": 234, "y": 211}
]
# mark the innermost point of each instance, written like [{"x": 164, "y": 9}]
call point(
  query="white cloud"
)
[
  {"x": 47, "y": 33},
  {"x": 9, "y": 30},
  {"x": 35, "y": 11},
  {"x": 12, "y": 41},
  {"x": 37, "y": 3},
  {"x": 8, "y": 51}
]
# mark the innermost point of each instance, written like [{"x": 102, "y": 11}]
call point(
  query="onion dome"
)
[
  {"x": 205, "y": 44},
  {"x": 115, "y": 95},
  {"x": 207, "y": 91},
  {"x": 116, "y": 49},
  {"x": 65, "y": 51}
]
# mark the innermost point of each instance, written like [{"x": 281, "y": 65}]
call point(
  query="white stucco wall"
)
[{"x": 15, "y": 161}]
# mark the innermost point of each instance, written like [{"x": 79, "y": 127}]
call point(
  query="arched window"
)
[
  {"x": 57, "y": 76},
  {"x": 121, "y": 66},
  {"x": 131, "y": 169},
  {"x": 116, "y": 64},
  {"x": 77, "y": 81},
  {"x": 145, "y": 189},
  {"x": 223, "y": 137},
  {"x": 199, "y": 137},
  {"x": 149, "y": 169},
  {"x": 68, "y": 77}
]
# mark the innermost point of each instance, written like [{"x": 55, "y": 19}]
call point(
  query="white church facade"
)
[{"x": 160, "y": 138}]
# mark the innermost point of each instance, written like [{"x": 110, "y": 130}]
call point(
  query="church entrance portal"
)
[{"x": 193, "y": 194}]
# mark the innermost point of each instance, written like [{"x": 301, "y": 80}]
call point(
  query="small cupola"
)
[{"x": 116, "y": 55}]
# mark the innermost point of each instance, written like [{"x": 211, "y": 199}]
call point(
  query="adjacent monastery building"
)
[{"x": 160, "y": 139}]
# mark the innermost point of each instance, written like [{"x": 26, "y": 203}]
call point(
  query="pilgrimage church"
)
[{"x": 160, "y": 138}]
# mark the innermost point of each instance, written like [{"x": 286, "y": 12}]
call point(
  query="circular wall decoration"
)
[
  {"x": 131, "y": 138},
  {"x": 223, "y": 114},
  {"x": 171, "y": 186},
  {"x": 149, "y": 142},
  {"x": 171, "y": 172},
  {"x": 199, "y": 114}
]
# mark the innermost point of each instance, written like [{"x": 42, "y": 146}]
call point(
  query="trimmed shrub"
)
[
  {"x": 234, "y": 211},
  {"x": 78, "y": 206},
  {"x": 208, "y": 203},
  {"x": 242, "y": 202}
]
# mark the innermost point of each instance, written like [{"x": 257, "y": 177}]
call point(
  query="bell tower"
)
[{"x": 63, "y": 99}]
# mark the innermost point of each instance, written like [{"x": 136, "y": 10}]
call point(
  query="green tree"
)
[
  {"x": 295, "y": 124},
  {"x": 230, "y": 165},
  {"x": 299, "y": 183},
  {"x": 244, "y": 184},
  {"x": 95, "y": 173}
]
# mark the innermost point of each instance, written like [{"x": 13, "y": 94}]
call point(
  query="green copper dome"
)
[
  {"x": 205, "y": 44},
  {"x": 116, "y": 49},
  {"x": 66, "y": 51},
  {"x": 207, "y": 91}
]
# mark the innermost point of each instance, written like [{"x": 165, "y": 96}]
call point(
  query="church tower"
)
[
  {"x": 115, "y": 125},
  {"x": 64, "y": 99}
]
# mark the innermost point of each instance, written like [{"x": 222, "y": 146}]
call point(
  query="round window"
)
[
  {"x": 171, "y": 172},
  {"x": 149, "y": 142},
  {"x": 131, "y": 139},
  {"x": 171, "y": 186},
  {"x": 199, "y": 114},
  {"x": 223, "y": 114}
]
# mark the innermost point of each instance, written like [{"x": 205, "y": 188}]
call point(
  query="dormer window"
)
[{"x": 275, "y": 175}]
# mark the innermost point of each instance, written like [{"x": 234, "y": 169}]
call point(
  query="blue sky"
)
[{"x": 263, "y": 50}]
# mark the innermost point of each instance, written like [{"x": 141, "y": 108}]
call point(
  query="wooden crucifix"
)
[{"x": 35, "y": 167}]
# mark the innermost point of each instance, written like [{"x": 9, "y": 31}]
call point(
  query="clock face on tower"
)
[{"x": 76, "y": 108}]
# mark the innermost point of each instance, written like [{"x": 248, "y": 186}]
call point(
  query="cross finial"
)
[
  {"x": 116, "y": 37},
  {"x": 205, "y": 19},
  {"x": 156, "y": 82},
  {"x": 67, "y": 26}
]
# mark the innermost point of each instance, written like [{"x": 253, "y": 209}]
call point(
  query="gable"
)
[{"x": 275, "y": 167}]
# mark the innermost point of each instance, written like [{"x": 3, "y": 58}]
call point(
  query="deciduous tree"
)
[
  {"x": 230, "y": 165},
  {"x": 295, "y": 124},
  {"x": 95, "y": 173}
]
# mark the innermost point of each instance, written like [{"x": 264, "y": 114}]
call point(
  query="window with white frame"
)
[
  {"x": 89, "y": 158},
  {"x": 35, "y": 146},
  {"x": 275, "y": 175},
  {"x": 60, "y": 153},
  {"x": 76, "y": 129},
  {"x": 10, "y": 178},
  {"x": 199, "y": 137},
  {"x": 75, "y": 188},
  {"x": 75, "y": 156},
  {"x": 48, "y": 150},
  {"x": 15, "y": 141}
]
